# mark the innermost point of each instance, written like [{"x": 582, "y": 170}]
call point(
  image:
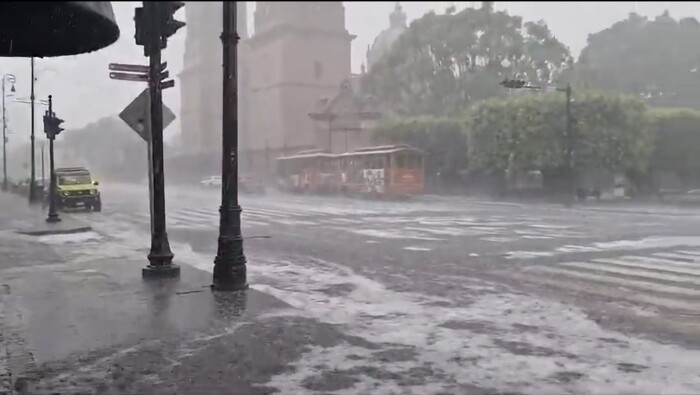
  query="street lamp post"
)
[
  {"x": 570, "y": 168},
  {"x": 43, "y": 178},
  {"x": 569, "y": 134},
  {"x": 32, "y": 180},
  {"x": 230, "y": 262},
  {"x": 11, "y": 79}
]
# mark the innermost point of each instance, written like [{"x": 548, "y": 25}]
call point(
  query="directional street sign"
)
[
  {"x": 134, "y": 68},
  {"x": 167, "y": 84},
  {"x": 129, "y": 77},
  {"x": 137, "y": 115}
]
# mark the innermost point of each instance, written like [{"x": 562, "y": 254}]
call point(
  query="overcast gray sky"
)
[{"x": 83, "y": 92}]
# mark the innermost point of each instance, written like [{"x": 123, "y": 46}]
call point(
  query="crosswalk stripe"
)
[
  {"x": 662, "y": 261},
  {"x": 639, "y": 262},
  {"x": 197, "y": 215},
  {"x": 276, "y": 213},
  {"x": 691, "y": 253},
  {"x": 204, "y": 212},
  {"x": 678, "y": 256},
  {"x": 648, "y": 274},
  {"x": 608, "y": 291},
  {"x": 253, "y": 215},
  {"x": 638, "y": 284}
]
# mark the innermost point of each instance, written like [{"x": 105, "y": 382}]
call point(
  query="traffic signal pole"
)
[
  {"x": 160, "y": 256},
  {"x": 51, "y": 134}
]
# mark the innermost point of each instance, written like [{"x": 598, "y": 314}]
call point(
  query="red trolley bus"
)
[{"x": 391, "y": 171}]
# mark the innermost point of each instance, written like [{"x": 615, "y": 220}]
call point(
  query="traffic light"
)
[
  {"x": 140, "y": 22},
  {"x": 156, "y": 19},
  {"x": 143, "y": 30},
  {"x": 52, "y": 125},
  {"x": 169, "y": 25}
]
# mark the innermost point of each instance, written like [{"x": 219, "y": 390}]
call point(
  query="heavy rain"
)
[{"x": 348, "y": 198}]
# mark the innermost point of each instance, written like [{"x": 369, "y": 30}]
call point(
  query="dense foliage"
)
[
  {"x": 443, "y": 140},
  {"x": 528, "y": 133},
  {"x": 444, "y": 63},
  {"x": 676, "y": 140},
  {"x": 109, "y": 148},
  {"x": 656, "y": 60}
]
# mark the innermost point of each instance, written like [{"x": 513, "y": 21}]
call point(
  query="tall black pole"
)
[
  {"x": 330, "y": 134},
  {"x": 53, "y": 214},
  {"x": 4, "y": 138},
  {"x": 43, "y": 178},
  {"x": 230, "y": 263},
  {"x": 160, "y": 256},
  {"x": 32, "y": 179},
  {"x": 571, "y": 182}
]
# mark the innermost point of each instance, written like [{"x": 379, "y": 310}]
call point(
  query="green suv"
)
[{"x": 76, "y": 188}]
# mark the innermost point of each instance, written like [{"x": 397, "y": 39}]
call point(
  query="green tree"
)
[
  {"x": 656, "y": 60},
  {"x": 528, "y": 133},
  {"x": 444, "y": 63},
  {"x": 109, "y": 148},
  {"x": 443, "y": 140},
  {"x": 676, "y": 135}
]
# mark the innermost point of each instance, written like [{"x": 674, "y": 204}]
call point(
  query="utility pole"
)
[
  {"x": 330, "y": 134},
  {"x": 52, "y": 128},
  {"x": 32, "y": 179},
  {"x": 12, "y": 79},
  {"x": 43, "y": 178},
  {"x": 230, "y": 263},
  {"x": 571, "y": 176},
  {"x": 4, "y": 138}
]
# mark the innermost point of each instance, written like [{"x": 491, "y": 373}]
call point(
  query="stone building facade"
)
[{"x": 300, "y": 52}]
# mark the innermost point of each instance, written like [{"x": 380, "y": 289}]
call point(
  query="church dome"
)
[{"x": 382, "y": 44}]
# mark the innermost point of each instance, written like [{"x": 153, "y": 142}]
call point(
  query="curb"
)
[
  {"x": 70, "y": 226},
  {"x": 48, "y": 232}
]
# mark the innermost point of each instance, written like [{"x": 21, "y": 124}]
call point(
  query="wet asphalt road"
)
[{"x": 471, "y": 295}]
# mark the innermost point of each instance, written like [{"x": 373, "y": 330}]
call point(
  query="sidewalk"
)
[
  {"x": 77, "y": 318},
  {"x": 18, "y": 215}
]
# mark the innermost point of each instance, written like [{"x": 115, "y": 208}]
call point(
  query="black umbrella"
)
[{"x": 47, "y": 29}]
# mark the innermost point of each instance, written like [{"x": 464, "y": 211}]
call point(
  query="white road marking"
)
[{"x": 416, "y": 248}]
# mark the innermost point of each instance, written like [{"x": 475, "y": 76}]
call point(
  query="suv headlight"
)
[
  {"x": 64, "y": 193},
  {"x": 93, "y": 192}
]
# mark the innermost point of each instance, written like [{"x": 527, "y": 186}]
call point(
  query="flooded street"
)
[{"x": 572, "y": 299}]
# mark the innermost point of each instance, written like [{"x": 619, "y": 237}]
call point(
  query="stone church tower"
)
[
  {"x": 201, "y": 77},
  {"x": 300, "y": 52}
]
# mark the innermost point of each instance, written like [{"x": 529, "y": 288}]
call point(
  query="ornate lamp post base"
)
[
  {"x": 228, "y": 277},
  {"x": 161, "y": 259},
  {"x": 161, "y": 271},
  {"x": 53, "y": 218}
]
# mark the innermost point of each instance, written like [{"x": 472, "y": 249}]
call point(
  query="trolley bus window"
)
[{"x": 400, "y": 160}]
